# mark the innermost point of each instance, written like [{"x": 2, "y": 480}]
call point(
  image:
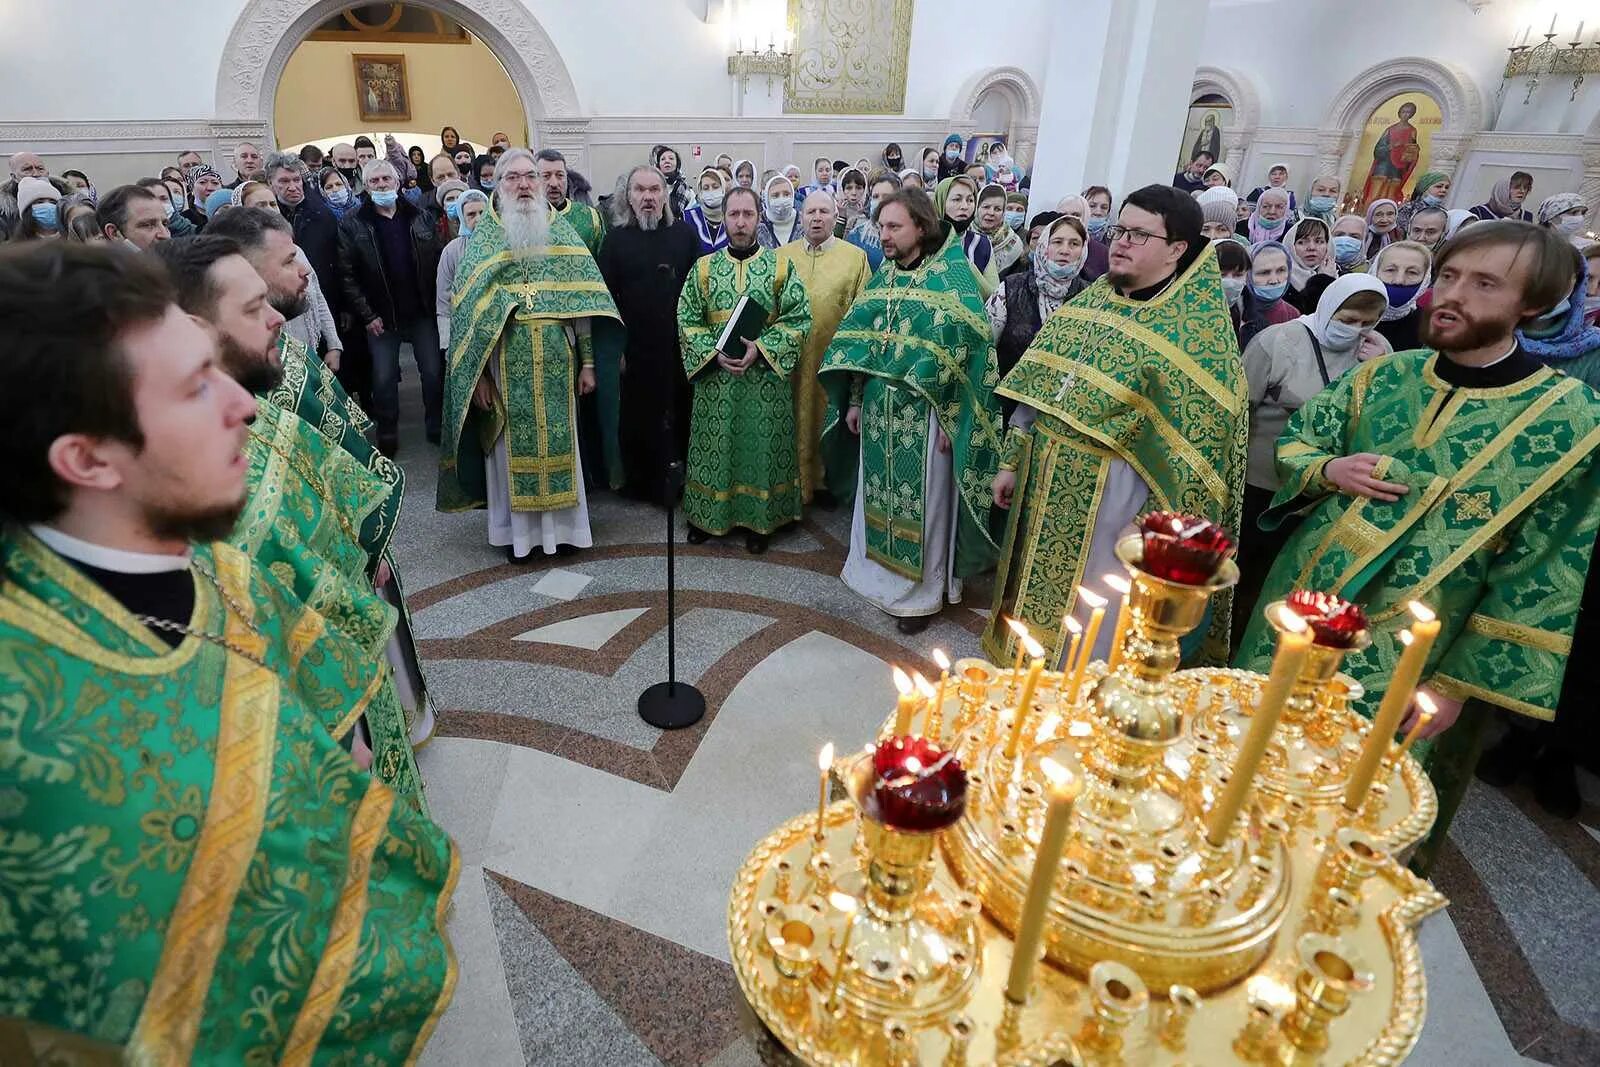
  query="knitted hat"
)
[
  {"x": 216, "y": 201},
  {"x": 1219, "y": 205},
  {"x": 32, "y": 189},
  {"x": 446, "y": 186}
]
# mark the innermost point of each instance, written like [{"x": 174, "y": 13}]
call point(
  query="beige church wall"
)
[{"x": 461, "y": 85}]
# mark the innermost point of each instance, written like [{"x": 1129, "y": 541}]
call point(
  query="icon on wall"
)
[
  {"x": 1208, "y": 117},
  {"x": 381, "y": 91},
  {"x": 1394, "y": 147}
]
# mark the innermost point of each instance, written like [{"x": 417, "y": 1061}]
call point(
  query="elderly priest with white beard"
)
[{"x": 521, "y": 352}]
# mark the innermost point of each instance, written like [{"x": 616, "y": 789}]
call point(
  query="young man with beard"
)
[
  {"x": 912, "y": 430},
  {"x": 1463, "y": 476},
  {"x": 521, "y": 353},
  {"x": 645, "y": 259},
  {"x": 1131, "y": 399},
  {"x": 308, "y": 498},
  {"x": 158, "y": 735},
  {"x": 744, "y": 469},
  {"x": 306, "y": 388}
]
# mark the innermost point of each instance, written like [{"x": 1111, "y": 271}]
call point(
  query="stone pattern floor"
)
[{"x": 597, "y": 851}]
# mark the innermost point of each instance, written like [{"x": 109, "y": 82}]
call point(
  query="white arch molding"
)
[
  {"x": 1460, "y": 106},
  {"x": 267, "y": 32},
  {"x": 1020, "y": 90},
  {"x": 1240, "y": 93}
]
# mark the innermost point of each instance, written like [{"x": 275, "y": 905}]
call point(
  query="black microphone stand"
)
[{"x": 672, "y": 705}]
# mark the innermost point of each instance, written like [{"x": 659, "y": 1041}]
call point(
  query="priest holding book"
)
[{"x": 743, "y": 317}]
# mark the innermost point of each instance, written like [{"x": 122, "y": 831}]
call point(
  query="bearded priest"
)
[{"x": 521, "y": 353}]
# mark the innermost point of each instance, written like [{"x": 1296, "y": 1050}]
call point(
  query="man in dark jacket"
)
[{"x": 388, "y": 259}]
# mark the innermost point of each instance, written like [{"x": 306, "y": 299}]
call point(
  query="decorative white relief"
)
[{"x": 1460, "y": 102}]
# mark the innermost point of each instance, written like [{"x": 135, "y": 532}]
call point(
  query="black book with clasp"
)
[{"x": 748, "y": 320}]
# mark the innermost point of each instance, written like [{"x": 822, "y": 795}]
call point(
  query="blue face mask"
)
[
  {"x": 1401, "y": 295},
  {"x": 1321, "y": 205},
  {"x": 1270, "y": 225},
  {"x": 1015, "y": 219},
  {"x": 384, "y": 199},
  {"x": 340, "y": 196},
  {"x": 1059, "y": 271},
  {"x": 1433, "y": 201},
  {"x": 1096, "y": 225},
  {"x": 453, "y": 209},
  {"x": 1551, "y": 323},
  {"x": 487, "y": 184},
  {"x": 173, "y": 209},
  {"x": 1341, "y": 336},
  {"x": 1269, "y": 293},
  {"x": 1346, "y": 249},
  {"x": 466, "y": 229},
  {"x": 45, "y": 214}
]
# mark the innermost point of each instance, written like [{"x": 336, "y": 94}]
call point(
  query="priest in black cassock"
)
[{"x": 645, "y": 259}]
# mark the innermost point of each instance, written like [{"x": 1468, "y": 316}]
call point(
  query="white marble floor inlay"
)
[
  {"x": 561, "y": 584},
  {"x": 589, "y": 631}
]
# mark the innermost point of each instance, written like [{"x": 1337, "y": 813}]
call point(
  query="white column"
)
[{"x": 1116, "y": 95}]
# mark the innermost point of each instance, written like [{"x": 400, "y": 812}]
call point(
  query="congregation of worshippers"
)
[{"x": 201, "y": 380}]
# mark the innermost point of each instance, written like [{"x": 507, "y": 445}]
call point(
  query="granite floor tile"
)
[
  {"x": 464, "y": 777},
  {"x": 480, "y": 1026},
  {"x": 587, "y": 631}
]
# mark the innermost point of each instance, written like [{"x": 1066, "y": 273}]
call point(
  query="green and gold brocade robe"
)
[
  {"x": 1157, "y": 384},
  {"x": 585, "y": 221},
  {"x": 744, "y": 467},
  {"x": 194, "y": 870},
  {"x": 515, "y": 310},
  {"x": 306, "y": 505},
  {"x": 1495, "y": 534},
  {"x": 610, "y": 341},
  {"x": 915, "y": 341}
]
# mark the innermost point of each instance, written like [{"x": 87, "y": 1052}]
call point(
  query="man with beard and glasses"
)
[
  {"x": 1131, "y": 399},
  {"x": 646, "y": 256},
  {"x": 744, "y": 470},
  {"x": 912, "y": 429},
  {"x": 165, "y": 734},
  {"x": 1463, "y": 476},
  {"x": 306, "y": 388},
  {"x": 521, "y": 353},
  {"x": 309, "y": 500}
]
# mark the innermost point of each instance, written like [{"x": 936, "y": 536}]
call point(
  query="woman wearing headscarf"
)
[
  {"x": 1383, "y": 225},
  {"x": 1430, "y": 191},
  {"x": 1269, "y": 220},
  {"x": 1562, "y": 338},
  {"x": 1505, "y": 199},
  {"x": 1568, "y": 214},
  {"x": 1324, "y": 198},
  {"x": 419, "y": 161},
  {"x": 894, "y": 160},
  {"x": 1285, "y": 365},
  {"x": 1277, "y": 178},
  {"x": 1459, "y": 217},
  {"x": 779, "y": 222},
  {"x": 910, "y": 179},
  {"x": 1218, "y": 174},
  {"x": 706, "y": 214},
  {"x": 1348, "y": 244},
  {"x": 744, "y": 173},
  {"x": 1311, "y": 268},
  {"x": 950, "y": 162},
  {"x": 956, "y": 201},
  {"x": 928, "y": 162},
  {"x": 678, "y": 191},
  {"x": 1263, "y": 303},
  {"x": 1403, "y": 268},
  {"x": 482, "y": 178},
  {"x": 1027, "y": 299},
  {"x": 203, "y": 181},
  {"x": 991, "y": 222},
  {"x": 464, "y": 215},
  {"x": 447, "y": 202},
  {"x": 336, "y": 192},
  {"x": 1097, "y": 257}
]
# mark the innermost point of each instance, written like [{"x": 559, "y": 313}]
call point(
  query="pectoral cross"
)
[{"x": 1066, "y": 386}]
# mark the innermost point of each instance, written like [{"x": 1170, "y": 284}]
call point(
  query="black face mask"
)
[
  {"x": 893, "y": 162},
  {"x": 348, "y": 172}
]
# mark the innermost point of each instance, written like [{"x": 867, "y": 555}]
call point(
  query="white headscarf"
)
[{"x": 1336, "y": 295}]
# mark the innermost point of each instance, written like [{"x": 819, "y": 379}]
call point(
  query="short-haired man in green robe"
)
[
  {"x": 521, "y": 353},
  {"x": 1464, "y": 476},
  {"x": 744, "y": 468},
  {"x": 913, "y": 431},
  {"x": 1132, "y": 399},
  {"x": 306, "y": 388},
  {"x": 307, "y": 497},
  {"x": 196, "y": 871}
]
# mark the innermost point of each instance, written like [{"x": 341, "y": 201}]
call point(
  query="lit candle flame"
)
[
  {"x": 843, "y": 901},
  {"x": 1428, "y": 707},
  {"x": 1035, "y": 649},
  {"x": 1074, "y": 625},
  {"x": 825, "y": 757},
  {"x": 1090, "y": 597},
  {"x": 902, "y": 681},
  {"x": 1048, "y": 728},
  {"x": 923, "y": 685},
  {"x": 1405, "y": 637},
  {"x": 941, "y": 659},
  {"x": 1421, "y": 611},
  {"x": 1290, "y": 620},
  {"x": 1017, "y": 627},
  {"x": 1118, "y": 584},
  {"x": 1061, "y": 779}
]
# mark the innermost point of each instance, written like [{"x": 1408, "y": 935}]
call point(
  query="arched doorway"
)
[
  {"x": 1003, "y": 94},
  {"x": 267, "y": 33},
  {"x": 1233, "y": 107},
  {"x": 395, "y": 68}
]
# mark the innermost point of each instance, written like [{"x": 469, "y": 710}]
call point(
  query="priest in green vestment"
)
[
  {"x": 1132, "y": 399},
  {"x": 913, "y": 430},
  {"x": 309, "y": 499},
  {"x": 744, "y": 468},
  {"x": 1463, "y": 476},
  {"x": 521, "y": 353},
  {"x": 197, "y": 871},
  {"x": 833, "y": 272}
]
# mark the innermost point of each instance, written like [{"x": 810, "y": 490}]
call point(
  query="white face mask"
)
[
  {"x": 781, "y": 208},
  {"x": 1233, "y": 288},
  {"x": 1571, "y": 223},
  {"x": 712, "y": 198},
  {"x": 1342, "y": 336}
]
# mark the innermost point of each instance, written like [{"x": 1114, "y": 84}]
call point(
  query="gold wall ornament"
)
[
  {"x": 850, "y": 57},
  {"x": 1290, "y": 942}
]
